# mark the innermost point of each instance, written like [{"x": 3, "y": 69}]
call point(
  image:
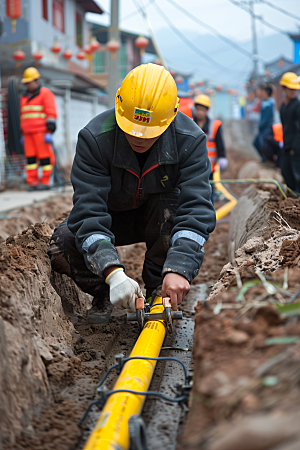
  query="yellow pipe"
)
[
  {"x": 225, "y": 209},
  {"x": 111, "y": 431}
]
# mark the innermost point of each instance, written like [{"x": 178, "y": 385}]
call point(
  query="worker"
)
[
  {"x": 140, "y": 174},
  {"x": 290, "y": 119},
  {"x": 267, "y": 110},
  {"x": 38, "y": 113},
  {"x": 272, "y": 145},
  {"x": 213, "y": 131}
]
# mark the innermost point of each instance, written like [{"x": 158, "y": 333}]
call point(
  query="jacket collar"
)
[
  {"x": 33, "y": 94},
  {"x": 165, "y": 151}
]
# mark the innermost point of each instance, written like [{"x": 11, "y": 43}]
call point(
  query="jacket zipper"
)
[{"x": 140, "y": 180}]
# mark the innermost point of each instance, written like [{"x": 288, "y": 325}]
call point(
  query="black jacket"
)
[
  {"x": 106, "y": 176},
  {"x": 218, "y": 140},
  {"x": 290, "y": 119}
]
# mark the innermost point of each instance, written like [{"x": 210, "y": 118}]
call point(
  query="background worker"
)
[
  {"x": 272, "y": 147},
  {"x": 267, "y": 109},
  {"x": 290, "y": 119},
  {"x": 213, "y": 130},
  {"x": 140, "y": 174},
  {"x": 38, "y": 113}
]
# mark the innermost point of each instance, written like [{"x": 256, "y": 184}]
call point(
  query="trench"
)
[{"x": 46, "y": 343}]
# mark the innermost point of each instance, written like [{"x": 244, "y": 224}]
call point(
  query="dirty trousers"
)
[
  {"x": 152, "y": 223},
  {"x": 37, "y": 151},
  {"x": 291, "y": 170}
]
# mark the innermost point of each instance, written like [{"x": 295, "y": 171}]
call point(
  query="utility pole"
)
[
  {"x": 113, "y": 63},
  {"x": 254, "y": 40}
]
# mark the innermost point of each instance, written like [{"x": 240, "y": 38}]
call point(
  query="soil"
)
[
  {"x": 237, "y": 372},
  {"x": 46, "y": 211}
]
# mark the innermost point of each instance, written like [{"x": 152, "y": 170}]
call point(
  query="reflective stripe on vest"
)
[
  {"x": 34, "y": 116},
  {"x": 31, "y": 166},
  {"x": 277, "y": 132},
  {"x": 214, "y": 125},
  {"x": 32, "y": 108},
  {"x": 48, "y": 167}
]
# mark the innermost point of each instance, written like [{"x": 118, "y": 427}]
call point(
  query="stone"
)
[{"x": 237, "y": 337}]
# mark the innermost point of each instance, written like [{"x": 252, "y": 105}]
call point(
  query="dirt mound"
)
[
  {"x": 246, "y": 354},
  {"x": 36, "y": 213},
  {"x": 35, "y": 334}
]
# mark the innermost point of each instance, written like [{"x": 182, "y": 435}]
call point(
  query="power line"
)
[
  {"x": 188, "y": 42},
  {"x": 267, "y": 24},
  {"x": 283, "y": 11},
  {"x": 210, "y": 28},
  {"x": 135, "y": 13}
]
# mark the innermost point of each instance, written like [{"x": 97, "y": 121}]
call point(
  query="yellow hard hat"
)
[
  {"x": 202, "y": 100},
  {"x": 147, "y": 101},
  {"x": 30, "y": 74},
  {"x": 290, "y": 80}
]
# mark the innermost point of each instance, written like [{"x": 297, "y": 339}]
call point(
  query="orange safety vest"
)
[
  {"x": 214, "y": 125},
  {"x": 278, "y": 132},
  {"x": 35, "y": 112}
]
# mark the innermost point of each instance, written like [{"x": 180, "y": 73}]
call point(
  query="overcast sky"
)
[
  {"x": 227, "y": 18},
  {"x": 221, "y": 14}
]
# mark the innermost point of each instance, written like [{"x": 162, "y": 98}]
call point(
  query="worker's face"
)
[
  {"x": 200, "y": 112},
  {"x": 290, "y": 94},
  {"x": 32, "y": 86},
  {"x": 140, "y": 145}
]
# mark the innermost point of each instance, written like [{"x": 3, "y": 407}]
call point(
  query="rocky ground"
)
[{"x": 246, "y": 342}]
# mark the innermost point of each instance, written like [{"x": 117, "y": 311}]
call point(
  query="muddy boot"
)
[{"x": 101, "y": 310}]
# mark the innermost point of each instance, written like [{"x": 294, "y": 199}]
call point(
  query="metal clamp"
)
[
  {"x": 143, "y": 314},
  {"x": 137, "y": 433}
]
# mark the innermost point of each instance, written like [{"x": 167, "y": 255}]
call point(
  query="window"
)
[
  {"x": 78, "y": 29},
  {"x": 45, "y": 9},
  {"x": 59, "y": 15}
]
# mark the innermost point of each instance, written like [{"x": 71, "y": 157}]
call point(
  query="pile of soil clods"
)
[
  {"x": 42, "y": 212},
  {"x": 247, "y": 362},
  {"x": 36, "y": 337}
]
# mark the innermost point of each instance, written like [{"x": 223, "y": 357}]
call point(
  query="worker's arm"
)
[
  {"x": 195, "y": 216},
  {"x": 296, "y": 140},
  {"x": 50, "y": 109},
  {"x": 89, "y": 219},
  {"x": 220, "y": 143}
]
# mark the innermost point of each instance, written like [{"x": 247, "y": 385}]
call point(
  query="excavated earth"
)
[{"x": 243, "y": 384}]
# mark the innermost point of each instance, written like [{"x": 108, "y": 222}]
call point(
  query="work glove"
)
[
  {"x": 123, "y": 291},
  {"x": 48, "y": 138},
  {"x": 223, "y": 163},
  {"x": 22, "y": 139}
]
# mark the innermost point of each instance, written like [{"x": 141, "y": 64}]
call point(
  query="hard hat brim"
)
[
  {"x": 29, "y": 80},
  {"x": 290, "y": 86},
  {"x": 143, "y": 132}
]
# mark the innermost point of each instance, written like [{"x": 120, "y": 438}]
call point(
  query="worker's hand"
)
[
  {"x": 48, "y": 138},
  {"x": 123, "y": 291},
  {"x": 22, "y": 139},
  {"x": 223, "y": 163},
  {"x": 176, "y": 287}
]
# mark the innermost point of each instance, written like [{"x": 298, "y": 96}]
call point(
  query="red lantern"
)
[
  {"x": 80, "y": 55},
  {"x": 141, "y": 42},
  {"x": 113, "y": 46},
  {"x": 18, "y": 56},
  {"x": 56, "y": 47},
  {"x": 229, "y": 91},
  {"x": 192, "y": 86},
  {"x": 281, "y": 63},
  {"x": 179, "y": 79},
  {"x": 173, "y": 73},
  {"x": 67, "y": 54},
  {"x": 38, "y": 55},
  {"x": 94, "y": 44},
  {"x": 88, "y": 49},
  {"x": 219, "y": 88},
  {"x": 200, "y": 83},
  {"x": 13, "y": 11}
]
